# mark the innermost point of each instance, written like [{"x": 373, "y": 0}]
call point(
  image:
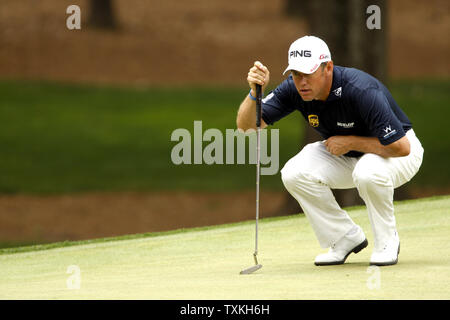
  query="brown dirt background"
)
[
  {"x": 93, "y": 215},
  {"x": 174, "y": 43}
]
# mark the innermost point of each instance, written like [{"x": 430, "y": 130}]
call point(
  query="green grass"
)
[
  {"x": 426, "y": 102},
  {"x": 205, "y": 263},
  {"x": 60, "y": 138}
]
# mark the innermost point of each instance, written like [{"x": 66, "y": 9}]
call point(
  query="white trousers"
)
[{"x": 313, "y": 172}]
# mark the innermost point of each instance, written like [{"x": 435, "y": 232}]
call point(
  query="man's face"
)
[{"x": 315, "y": 85}]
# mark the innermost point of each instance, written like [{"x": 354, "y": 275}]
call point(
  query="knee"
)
[
  {"x": 303, "y": 168},
  {"x": 367, "y": 175},
  {"x": 293, "y": 177},
  {"x": 289, "y": 178},
  {"x": 362, "y": 177}
]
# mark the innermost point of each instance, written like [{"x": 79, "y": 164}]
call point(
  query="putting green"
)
[{"x": 205, "y": 264}]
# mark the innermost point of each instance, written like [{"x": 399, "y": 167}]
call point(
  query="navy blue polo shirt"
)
[{"x": 358, "y": 104}]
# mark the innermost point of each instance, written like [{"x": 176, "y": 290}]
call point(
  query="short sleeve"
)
[
  {"x": 278, "y": 103},
  {"x": 379, "y": 117}
]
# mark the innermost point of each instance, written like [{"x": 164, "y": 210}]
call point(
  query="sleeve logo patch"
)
[
  {"x": 389, "y": 132},
  {"x": 313, "y": 120},
  {"x": 338, "y": 91}
]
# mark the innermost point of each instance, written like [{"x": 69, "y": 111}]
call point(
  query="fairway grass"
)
[
  {"x": 65, "y": 138},
  {"x": 205, "y": 263}
]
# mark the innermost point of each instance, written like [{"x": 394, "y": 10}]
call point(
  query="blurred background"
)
[{"x": 86, "y": 115}]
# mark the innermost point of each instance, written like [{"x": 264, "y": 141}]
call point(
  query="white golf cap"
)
[{"x": 306, "y": 54}]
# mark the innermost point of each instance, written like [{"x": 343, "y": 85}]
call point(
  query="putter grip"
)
[{"x": 258, "y": 105}]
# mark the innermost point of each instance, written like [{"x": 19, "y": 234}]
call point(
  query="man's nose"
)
[{"x": 303, "y": 81}]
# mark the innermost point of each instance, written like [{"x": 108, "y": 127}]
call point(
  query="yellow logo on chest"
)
[{"x": 313, "y": 120}]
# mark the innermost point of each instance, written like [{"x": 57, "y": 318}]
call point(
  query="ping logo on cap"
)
[{"x": 301, "y": 53}]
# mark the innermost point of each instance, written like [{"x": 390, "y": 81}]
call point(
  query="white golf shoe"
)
[
  {"x": 353, "y": 241},
  {"x": 388, "y": 255}
]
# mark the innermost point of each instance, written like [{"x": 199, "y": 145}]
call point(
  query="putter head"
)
[
  {"x": 251, "y": 269},
  {"x": 257, "y": 266}
]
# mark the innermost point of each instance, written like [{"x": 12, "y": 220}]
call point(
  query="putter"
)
[{"x": 257, "y": 266}]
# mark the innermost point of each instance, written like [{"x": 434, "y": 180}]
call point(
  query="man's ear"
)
[{"x": 330, "y": 66}]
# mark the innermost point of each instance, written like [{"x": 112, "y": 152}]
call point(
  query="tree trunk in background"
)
[
  {"x": 102, "y": 14},
  {"x": 342, "y": 25}
]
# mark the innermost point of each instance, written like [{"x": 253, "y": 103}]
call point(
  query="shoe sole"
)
[
  {"x": 388, "y": 263},
  {"x": 356, "y": 249}
]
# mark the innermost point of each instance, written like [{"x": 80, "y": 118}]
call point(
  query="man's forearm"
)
[
  {"x": 246, "y": 117},
  {"x": 245, "y": 114},
  {"x": 369, "y": 145},
  {"x": 339, "y": 145}
]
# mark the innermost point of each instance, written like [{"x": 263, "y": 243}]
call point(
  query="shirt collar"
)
[{"x": 336, "y": 85}]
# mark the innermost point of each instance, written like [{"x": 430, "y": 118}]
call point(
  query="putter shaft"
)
[
  {"x": 257, "y": 266},
  {"x": 258, "y": 142},
  {"x": 258, "y": 160}
]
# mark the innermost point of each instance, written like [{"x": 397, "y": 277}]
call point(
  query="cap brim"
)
[{"x": 303, "y": 68}]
